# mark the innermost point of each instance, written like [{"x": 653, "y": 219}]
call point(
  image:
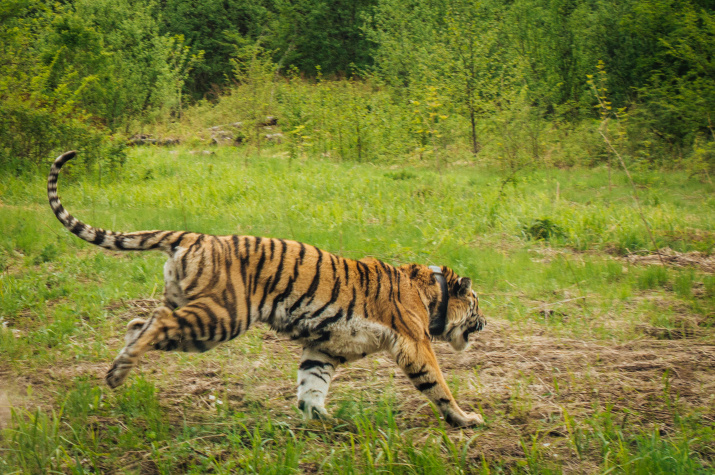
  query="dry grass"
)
[
  {"x": 523, "y": 378},
  {"x": 693, "y": 259}
]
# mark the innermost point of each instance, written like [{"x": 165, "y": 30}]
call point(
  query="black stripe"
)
[
  {"x": 159, "y": 242},
  {"x": 229, "y": 291},
  {"x": 77, "y": 227},
  {"x": 351, "y": 306},
  {"x": 279, "y": 270},
  {"x": 328, "y": 320},
  {"x": 259, "y": 268},
  {"x": 378, "y": 274},
  {"x": 216, "y": 255},
  {"x": 248, "y": 308},
  {"x": 301, "y": 254},
  {"x": 263, "y": 300},
  {"x": 332, "y": 264},
  {"x": 211, "y": 315},
  {"x": 313, "y": 285},
  {"x": 145, "y": 327},
  {"x": 144, "y": 238},
  {"x": 282, "y": 296},
  {"x": 340, "y": 359},
  {"x": 304, "y": 333},
  {"x": 426, "y": 386},
  {"x": 236, "y": 246},
  {"x": 175, "y": 243},
  {"x": 318, "y": 375},
  {"x": 415, "y": 272},
  {"x": 361, "y": 273},
  {"x": 183, "y": 325},
  {"x": 243, "y": 264},
  {"x": 244, "y": 259},
  {"x": 199, "y": 322},
  {"x": 333, "y": 297},
  {"x": 401, "y": 318},
  {"x": 195, "y": 280},
  {"x": 189, "y": 251},
  {"x": 399, "y": 297},
  {"x": 416, "y": 375},
  {"x": 389, "y": 276},
  {"x": 98, "y": 237},
  {"x": 309, "y": 364},
  {"x": 291, "y": 325},
  {"x": 224, "y": 336},
  {"x": 324, "y": 337},
  {"x": 347, "y": 271}
]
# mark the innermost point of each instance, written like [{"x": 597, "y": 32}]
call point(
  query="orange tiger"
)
[{"x": 338, "y": 309}]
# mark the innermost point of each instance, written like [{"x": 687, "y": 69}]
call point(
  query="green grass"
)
[{"x": 546, "y": 266}]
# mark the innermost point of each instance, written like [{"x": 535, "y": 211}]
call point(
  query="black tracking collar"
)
[{"x": 439, "y": 322}]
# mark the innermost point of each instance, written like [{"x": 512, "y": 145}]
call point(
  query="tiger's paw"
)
[
  {"x": 117, "y": 374},
  {"x": 470, "y": 419},
  {"x": 313, "y": 412}
]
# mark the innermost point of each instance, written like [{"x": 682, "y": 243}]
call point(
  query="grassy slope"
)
[{"x": 569, "y": 374}]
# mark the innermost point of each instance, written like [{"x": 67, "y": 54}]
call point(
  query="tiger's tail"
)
[{"x": 137, "y": 241}]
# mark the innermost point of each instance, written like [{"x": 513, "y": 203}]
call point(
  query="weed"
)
[
  {"x": 683, "y": 284},
  {"x": 48, "y": 253},
  {"x": 402, "y": 175},
  {"x": 543, "y": 229},
  {"x": 653, "y": 277},
  {"x": 35, "y": 441}
]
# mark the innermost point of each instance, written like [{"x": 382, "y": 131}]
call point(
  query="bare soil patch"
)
[
  {"x": 628, "y": 373},
  {"x": 698, "y": 260},
  {"x": 522, "y": 378}
]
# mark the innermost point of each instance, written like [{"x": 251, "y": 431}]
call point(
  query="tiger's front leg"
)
[
  {"x": 418, "y": 361},
  {"x": 314, "y": 375}
]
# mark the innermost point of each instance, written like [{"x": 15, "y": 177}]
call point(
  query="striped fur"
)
[{"x": 338, "y": 309}]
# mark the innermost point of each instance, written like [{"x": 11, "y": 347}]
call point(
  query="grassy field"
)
[{"x": 596, "y": 358}]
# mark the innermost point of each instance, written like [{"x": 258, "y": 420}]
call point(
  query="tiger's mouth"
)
[{"x": 477, "y": 327}]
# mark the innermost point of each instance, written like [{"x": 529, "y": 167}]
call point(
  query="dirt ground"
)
[{"x": 522, "y": 378}]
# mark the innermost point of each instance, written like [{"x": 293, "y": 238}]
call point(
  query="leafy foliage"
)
[{"x": 384, "y": 78}]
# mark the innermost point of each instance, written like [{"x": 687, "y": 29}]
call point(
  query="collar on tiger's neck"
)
[{"x": 439, "y": 322}]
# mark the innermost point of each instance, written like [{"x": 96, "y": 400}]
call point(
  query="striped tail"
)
[{"x": 137, "y": 241}]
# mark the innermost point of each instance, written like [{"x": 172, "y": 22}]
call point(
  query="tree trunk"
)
[{"x": 473, "y": 120}]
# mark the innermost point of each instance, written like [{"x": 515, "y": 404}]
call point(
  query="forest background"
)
[{"x": 518, "y": 81}]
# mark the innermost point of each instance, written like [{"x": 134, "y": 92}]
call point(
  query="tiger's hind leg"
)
[
  {"x": 314, "y": 375},
  {"x": 418, "y": 361},
  {"x": 197, "y": 327}
]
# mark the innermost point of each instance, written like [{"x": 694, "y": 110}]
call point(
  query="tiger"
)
[{"x": 338, "y": 309}]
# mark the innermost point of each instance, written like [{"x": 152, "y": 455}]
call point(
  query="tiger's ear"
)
[{"x": 463, "y": 287}]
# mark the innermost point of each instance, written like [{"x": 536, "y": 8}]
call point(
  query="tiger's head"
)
[{"x": 463, "y": 314}]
